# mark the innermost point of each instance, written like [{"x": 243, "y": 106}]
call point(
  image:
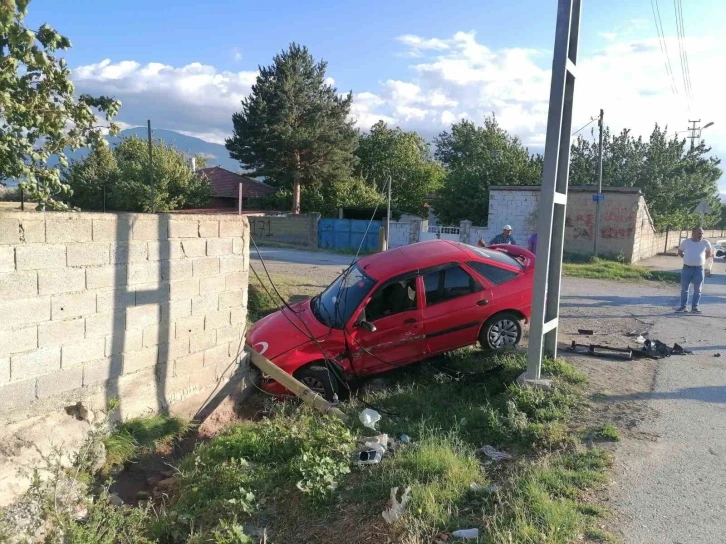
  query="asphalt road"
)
[{"x": 670, "y": 488}]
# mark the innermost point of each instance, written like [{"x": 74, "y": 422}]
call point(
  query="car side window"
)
[
  {"x": 493, "y": 273},
  {"x": 392, "y": 299},
  {"x": 449, "y": 283}
]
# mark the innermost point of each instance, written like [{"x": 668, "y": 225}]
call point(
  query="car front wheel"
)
[
  {"x": 319, "y": 379},
  {"x": 501, "y": 331}
]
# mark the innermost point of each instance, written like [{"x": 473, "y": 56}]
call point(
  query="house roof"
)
[{"x": 225, "y": 184}]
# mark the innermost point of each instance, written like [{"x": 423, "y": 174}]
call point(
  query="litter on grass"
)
[
  {"x": 466, "y": 534},
  {"x": 371, "y": 449},
  {"x": 394, "y": 508},
  {"x": 369, "y": 418},
  {"x": 495, "y": 455},
  {"x": 478, "y": 488}
]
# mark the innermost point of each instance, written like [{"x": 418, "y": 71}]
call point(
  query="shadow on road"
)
[{"x": 714, "y": 394}]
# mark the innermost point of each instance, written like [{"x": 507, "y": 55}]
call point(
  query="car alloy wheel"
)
[
  {"x": 503, "y": 333},
  {"x": 314, "y": 384}
]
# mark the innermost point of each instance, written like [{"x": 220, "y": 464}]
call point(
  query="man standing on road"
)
[
  {"x": 695, "y": 251},
  {"x": 504, "y": 238}
]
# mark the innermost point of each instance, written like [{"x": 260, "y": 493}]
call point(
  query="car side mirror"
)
[
  {"x": 719, "y": 253},
  {"x": 370, "y": 327}
]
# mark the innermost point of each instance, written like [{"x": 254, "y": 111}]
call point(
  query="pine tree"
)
[{"x": 293, "y": 129}]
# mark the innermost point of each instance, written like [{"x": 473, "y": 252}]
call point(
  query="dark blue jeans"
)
[{"x": 691, "y": 274}]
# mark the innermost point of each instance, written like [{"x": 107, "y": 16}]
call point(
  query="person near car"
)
[
  {"x": 695, "y": 251},
  {"x": 504, "y": 238},
  {"x": 532, "y": 243}
]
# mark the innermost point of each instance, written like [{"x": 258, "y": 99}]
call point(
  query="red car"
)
[{"x": 398, "y": 307}]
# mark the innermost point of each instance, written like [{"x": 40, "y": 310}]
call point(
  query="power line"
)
[
  {"x": 663, "y": 44},
  {"x": 592, "y": 120},
  {"x": 681, "y": 31}
]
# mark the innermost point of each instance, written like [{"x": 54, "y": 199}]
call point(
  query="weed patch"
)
[{"x": 605, "y": 269}]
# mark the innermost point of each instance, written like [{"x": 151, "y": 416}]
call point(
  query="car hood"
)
[{"x": 280, "y": 332}]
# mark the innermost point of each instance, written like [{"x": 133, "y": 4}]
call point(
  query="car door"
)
[
  {"x": 395, "y": 311},
  {"x": 452, "y": 313},
  {"x": 500, "y": 292}
]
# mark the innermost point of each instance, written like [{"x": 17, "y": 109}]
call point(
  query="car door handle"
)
[
  {"x": 482, "y": 302},
  {"x": 409, "y": 321}
]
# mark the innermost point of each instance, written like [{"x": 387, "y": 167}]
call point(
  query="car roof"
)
[{"x": 412, "y": 257}]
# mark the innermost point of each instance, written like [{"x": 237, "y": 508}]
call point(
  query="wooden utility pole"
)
[
  {"x": 599, "y": 197},
  {"x": 151, "y": 169}
]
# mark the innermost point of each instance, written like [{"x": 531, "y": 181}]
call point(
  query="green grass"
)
[
  {"x": 605, "y": 269},
  {"x": 608, "y": 432},
  {"x": 140, "y": 435},
  {"x": 262, "y": 299}
]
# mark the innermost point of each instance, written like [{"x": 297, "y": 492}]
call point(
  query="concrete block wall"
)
[
  {"x": 149, "y": 309},
  {"x": 299, "y": 230},
  {"x": 401, "y": 233},
  {"x": 517, "y": 208}
]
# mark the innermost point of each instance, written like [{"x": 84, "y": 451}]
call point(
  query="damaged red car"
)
[{"x": 397, "y": 307}]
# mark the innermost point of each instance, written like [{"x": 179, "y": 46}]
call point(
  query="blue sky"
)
[{"x": 186, "y": 65}]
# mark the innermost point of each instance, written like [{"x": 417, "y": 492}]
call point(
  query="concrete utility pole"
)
[
  {"x": 599, "y": 197},
  {"x": 388, "y": 215},
  {"x": 693, "y": 131},
  {"x": 151, "y": 169},
  {"x": 551, "y": 226}
]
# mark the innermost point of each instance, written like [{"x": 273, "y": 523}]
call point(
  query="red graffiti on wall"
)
[
  {"x": 618, "y": 216},
  {"x": 616, "y": 233}
]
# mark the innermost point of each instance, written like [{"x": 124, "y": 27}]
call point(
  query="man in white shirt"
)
[{"x": 695, "y": 251}]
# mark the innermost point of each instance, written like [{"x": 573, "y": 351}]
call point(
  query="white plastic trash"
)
[
  {"x": 369, "y": 418},
  {"x": 466, "y": 534},
  {"x": 393, "y": 512},
  {"x": 640, "y": 339}
]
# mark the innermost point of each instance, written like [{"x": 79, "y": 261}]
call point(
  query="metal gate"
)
[
  {"x": 441, "y": 233},
  {"x": 348, "y": 234}
]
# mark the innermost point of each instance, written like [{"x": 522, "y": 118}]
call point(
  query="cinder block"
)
[
  {"x": 216, "y": 320},
  {"x": 219, "y": 246},
  {"x": 96, "y": 372},
  {"x": 103, "y": 324},
  {"x": 176, "y": 270},
  {"x": 235, "y": 281},
  {"x": 18, "y": 285},
  {"x": 76, "y": 305},
  {"x": 211, "y": 284},
  {"x": 24, "y": 311},
  {"x": 142, "y": 316},
  {"x": 60, "y": 382},
  {"x": 239, "y": 316},
  {"x": 231, "y": 229},
  {"x": 145, "y": 230},
  {"x": 57, "y": 333},
  {"x": 35, "y": 363},
  {"x": 15, "y": 395},
  {"x": 206, "y": 266},
  {"x": 140, "y": 360},
  {"x": 115, "y": 229},
  {"x": 176, "y": 309},
  {"x": 165, "y": 250},
  {"x": 62, "y": 280},
  {"x": 183, "y": 228},
  {"x": 173, "y": 350},
  {"x": 189, "y": 364},
  {"x": 194, "y": 248},
  {"x": 9, "y": 231},
  {"x": 87, "y": 254},
  {"x": 79, "y": 352},
  {"x": 187, "y": 326},
  {"x": 152, "y": 293},
  {"x": 158, "y": 333},
  {"x": 204, "y": 304},
  {"x": 231, "y": 299},
  {"x": 105, "y": 277},
  {"x": 18, "y": 340},
  {"x": 217, "y": 355},
  {"x": 139, "y": 273},
  {"x": 32, "y": 231},
  {"x": 71, "y": 229},
  {"x": 184, "y": 289},
  {"x": 209, "y": 229},
  {"x": 7, "y": 259},
  {"x": 239, "y": 244},
  {"x": 40, "y": 257},
  {"x": 4, "y": 371},
  {"x": 122, "y": 341},
  {"x": 202, "y": 341},
  {"x": 135, "y": 252},
  {"x": 114, "y": 300},
  {"x": 230, "y": 333},
  {"x": 232, "y": 263}
]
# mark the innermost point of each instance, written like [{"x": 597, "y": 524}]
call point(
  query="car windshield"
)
[
  {"x": 497, "y": 256},
  {"x": 334, "y": 306}
]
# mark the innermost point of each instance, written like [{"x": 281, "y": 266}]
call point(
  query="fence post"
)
[
  {"x": 465, "y": 231},
  {"x": 313, "y": 229},
  {"x": 414, "y": 233}
]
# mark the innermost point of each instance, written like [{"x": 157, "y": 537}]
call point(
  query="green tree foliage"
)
[
  {"x": 124, "y": 172},
  {"x": 293, "y": 128},
  {"x": 325, "y": 199},
  {"x": 478, "y": 157},
  {"x": 673, "y": 176},
  {"x": 406, "y": 158},
  {"x": 39, "y": 113}
]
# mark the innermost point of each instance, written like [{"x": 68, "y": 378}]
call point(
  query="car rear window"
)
[
  {"x": 497, "y": 256},
  {"x": 492, "y": 272}
]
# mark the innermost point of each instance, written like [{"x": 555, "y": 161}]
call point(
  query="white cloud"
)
[
  {"x": 237, "y": 54},
  {"x": 608, "y": 35},
  {"x": 329, "y": 81},
  {"x": 417, "y": 45}
]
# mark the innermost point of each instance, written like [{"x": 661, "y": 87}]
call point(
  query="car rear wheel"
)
[
  {"x": 501, "y": 331},
  {"x": 319, "y": 379}
]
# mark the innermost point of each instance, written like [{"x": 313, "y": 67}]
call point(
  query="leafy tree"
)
[
  {"x": 293, "y": 127},
  {"x": 124, "y": 172},
  {"x": 673, "y": 176},
  {"x": 39, "y": 113},
  {"x": 406, "y": 158},
  {"x": 478, "y": 157}
]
